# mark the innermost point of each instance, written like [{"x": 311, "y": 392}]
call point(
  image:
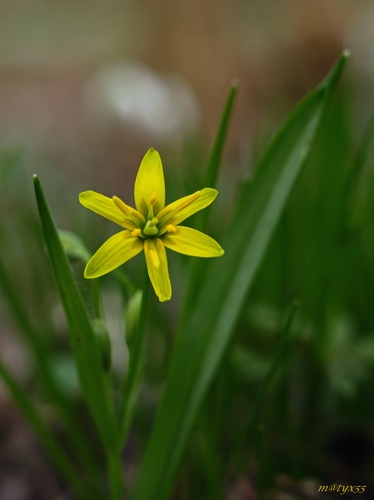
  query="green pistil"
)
[
  {"x": 151, "y": 229},
  {"x": 151, "y": 214}
]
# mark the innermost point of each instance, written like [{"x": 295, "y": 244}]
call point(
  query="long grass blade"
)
[
  {"x": 210, "y": 180},
  {"x": 202, "y": 341},
  {"x": 215, "y": 158},
  {"x": 82, "y": 338}
]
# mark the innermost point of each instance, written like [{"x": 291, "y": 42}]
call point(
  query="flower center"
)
[
  {"x": 150, "y": 228},
  {"x": 146, "y": 228}
]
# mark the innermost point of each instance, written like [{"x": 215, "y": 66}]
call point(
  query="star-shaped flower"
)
[{"x": 151, "y": 226}]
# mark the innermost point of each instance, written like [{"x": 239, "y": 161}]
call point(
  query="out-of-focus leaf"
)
[
  {"x": 73, "y": 245},
  {"x": 59, "y": 456}
]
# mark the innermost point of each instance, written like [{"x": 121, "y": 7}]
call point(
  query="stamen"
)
[
  {"x": 130, "y": 212},
  {"x": 171, "y": 229},
  {"x": 152, "y": 199},
  {"x": 136, "y": 233},
  {"x": 122, "y": 206},
  {"x": 191, "y": 199},
  {"x": 178, "y": 205}
]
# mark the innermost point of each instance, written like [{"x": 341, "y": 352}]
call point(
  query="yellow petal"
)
[
  {"x": 157, "y": 266},
  {"x": 192, "y": 242},
  {"x": 179, "y": 210},
  {"x": 149, "y": 184},
  {"x": 120, "y": 248},
  {"x": 105, "y": 207}
]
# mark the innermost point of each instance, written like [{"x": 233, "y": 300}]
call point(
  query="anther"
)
[
  {"x": 152, "y": 199},
  {"x": 132, "y": 214},
  {"x": 122, "y": 206},
  {"x": 136, "y": 232},
  {"x": 178, "y": 205},
  {"x": 171, "y": 229}
]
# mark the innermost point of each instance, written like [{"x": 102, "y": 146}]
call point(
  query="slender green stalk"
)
[
  {"x": 262, "y": 475},
  {"x": 130, "y": 394},
  {"x": 136, "y": 356},
  {"x": 210, "y": 179},
  {"x": 274, "y": 367},
  {"x": 46, "y": 437},
  {"x": 214, "y": 162},
  {"x": 115, "y": 475},
  {"x": 210, "y": 457},
  {"x": 97, "y": 300}
]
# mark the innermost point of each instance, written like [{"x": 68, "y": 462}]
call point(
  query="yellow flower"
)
[{"x": 151, "y": 226}]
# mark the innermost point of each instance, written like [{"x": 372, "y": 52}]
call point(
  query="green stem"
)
[
  {"x": 276, "y": 362},
  {"x": 115, "y": 475},
  {"x": 136, "y": 356},
  {"x": 131, "y": 389},
  {"x": 97, "y": 300}
]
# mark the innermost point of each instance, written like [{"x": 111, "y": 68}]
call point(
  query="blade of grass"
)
[
  {"x": 358, "y": 164},
  {"x": 210, "y": 180},
  {"x": 74, "y": 248},
  {"x": 202, "y": 341},
  {"x": 211, "y": 174},
  {"x": 136, "y": 359},
  {"x": 82, "y": 338},
  {"x": 273, "y": 368}
]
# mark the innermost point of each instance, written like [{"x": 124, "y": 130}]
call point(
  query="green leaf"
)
[
  {"x": 74, "y": 246},
  {"x": 211, "y": 173},
  {"x": 136, "y": 344},
  {"x": 210, "y": 180},
  {"x": 103, "y": 340},
  {"x": 207, "y": 330},
  {"x": 82, "y": 337}
]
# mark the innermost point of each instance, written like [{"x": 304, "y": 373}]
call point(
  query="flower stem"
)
[
  {"x": 115, "y": 475},
  {"x": 133, "y": 378}
]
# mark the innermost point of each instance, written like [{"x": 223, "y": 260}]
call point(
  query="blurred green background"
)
[{"x": 85, "y": 88}]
